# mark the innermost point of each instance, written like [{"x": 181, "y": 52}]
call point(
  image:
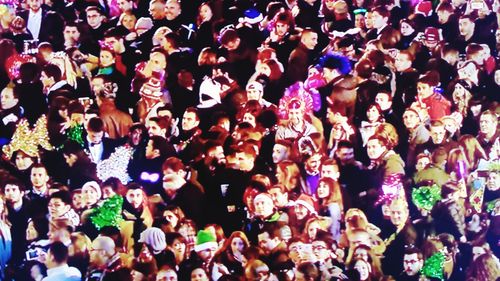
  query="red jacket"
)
[{"x": 437, "y": 106}]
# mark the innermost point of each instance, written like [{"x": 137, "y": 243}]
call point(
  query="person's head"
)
[
  {"x": 59, "y": 203},
  {"x": 91, "y": 193},
  {"x": 411, "y": 119},
  {"x": 95, "y": 130},
  {"x": 313, "y": 162},
  {"x": 295, "y": 110},
  {"x": 423, "y": 160},
  {"x": 57, "y": 255},
  {"x": 166, "y": 274},
  {"x": 158, "y": 59},
  {"x": 230, "y": 39},
  {"x": 238, "y": 242},
  {"x": 101, "y": 251},
  {"x": 206, "y": 245},
  {"x": 438, "y": 132},
  {"x": 488, "y": 123},
  {"x": 190, "y": 119},
  {"x": 245, "y": 155},
  {"x": 157, "y": 9},
  {"x": 205, "y": 13},
  {"x": 374, "y": 113},
  {"x": 469, "y": 71},
  {"x": 304, "y": 207},
  {"x": 485, "y": 267},
  {"x": 157, "y": 147},
  {"x": 135, "y": 196},
  {"x": 426, "y": 84},
  {"x": 39, "y": 176},
  {"x": 22, "y": 160},
  {"x": 281, "y": 151},
  {"x": 376, "y": 147},
  {"x": 288, "y": 174},
  {"x": 345, "y": 152},
  {"x": 13, "y": 191},
  {"x": 404, "y": 60},
  {"x": 269, "y": 237},
  {"x": 157, "y": 126},
  {"x": 263, "y": 205},
  {"x": 106, "y": 57},
  {"x": 271, "y": 68},
  {"x": 466, "y": 25},
  {"x": 279, "y": 195},
  {"x": 363, "y": 267},
  {"x": 329, "y": 191},
  {"x": 309, "y": 39},
  {"x": 34, "y": 5},
  {"x": 51, "y": 74},
  {"x": 71, "y": 32},
  {"x": 398, "y": 212},
  {"x": 59, "y": 230},
  {"x": 407, "y": 27},
  {"x": 174, "y": 173},
  {"x": 137, "y": 133},
  {"x": 413, "y": 260},
  {"x": 172, "y": 9},
  {"x": 95, "y": 16},
  {"x": 114, "y": 39},
  {"x": 380, "y": 17}
]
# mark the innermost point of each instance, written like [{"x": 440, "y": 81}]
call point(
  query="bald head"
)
[{"x": 103, "y": 248}]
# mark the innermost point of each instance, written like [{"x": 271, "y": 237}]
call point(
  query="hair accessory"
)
[
  {"x": 433, "y": 266},
  {"x": 359, "y": 11},
  {"x": 296, "y": 94},
  {"x": 116, "y": 165},
  {"x": 109, "y": 214},
  {"x": 28, "y": 140},
  {"x": 425, "y": 197}
]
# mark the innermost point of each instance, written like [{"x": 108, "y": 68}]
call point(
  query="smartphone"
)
[
  {"x": 86, "y": 102},
  {"x": 32, "y": 254}
]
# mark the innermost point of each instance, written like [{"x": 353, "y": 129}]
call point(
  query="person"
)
[
  {"x": 81, "y": 168},
  {"x": 413, "y": 261},
  {"x": 6, "y": 236},
  {"x": 105, "y": 263},
  {"x": 301, "y": 57},
  {"x": 57, "y": 266}
]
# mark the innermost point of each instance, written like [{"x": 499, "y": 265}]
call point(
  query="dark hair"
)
[
  {"x": 13, "y": 181},
  {"x": 95, "y": 124},
  {"x": 162, "y": 123},
  {"x": 59, "y": 251},
  {"x": 381, "y": 10},
  {"x": 173, "y": 39},
  {"x": 65, "y": 196},
  {"x": 114, "y": 183},
  {"x": 410, "y": 250},
  {"x": 29, "y": 72},
  {"x": 52, "y": 70},
  {"x": 94, "y": 8},
  {"x": 161, "y": 144},
  {"x": 72, "y": 147},
  {"x": 113, "y": 32},
  {"x": 193, "y": 110}
]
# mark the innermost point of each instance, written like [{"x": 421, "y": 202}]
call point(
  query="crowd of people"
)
[{"x": 249, "y": 140}]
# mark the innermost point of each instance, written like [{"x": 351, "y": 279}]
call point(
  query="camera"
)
[{"x": 33, "y": 254}]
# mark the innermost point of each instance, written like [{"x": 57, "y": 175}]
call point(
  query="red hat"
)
[
  {"x": 308, "y": 202},
  {"x": 424, "y": 8},
  {"x": 432, "y": 34}
]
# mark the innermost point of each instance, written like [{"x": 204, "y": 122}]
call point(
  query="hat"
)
[
  {"x": 252, "y": 16},
  {"x": 262, "y": 196},
  {"x": 308, "y": 202},
  {"x": 431, "y": 34},
  {"x": 209, "y": 93},
  {"x": 424, "y": 8},
  {"x": 205, "y": 240},
  {"x": 254, "y": 85},
  {"x": 18, "y": 24},
  {"x": 340, "y": 7},
  {"x": 109, "y": 90},
  {"x": 152, "y": 88},
  {"x": 155, "y": 238},
  {"x": 144, "y": 23},
  {"x": 94, "y": 185}
]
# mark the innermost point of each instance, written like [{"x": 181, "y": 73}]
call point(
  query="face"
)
[
  {"x": 94, "y": 19},
  {"x": 280, "y": 153},
  {"x": 280, "y": 199},
  {"x": 363, "y": 269},
  {"x": 382, "y": 99},
  {"x": 150, "y": 151},
  {"x": 98, "y": 256},
  {"x": 312, "y": 230},
  {"x": 125, "y": 5},
  {"x": 487, "y": 123},
  {"x": 402, "y": 62},
  {"x": 173, "y": 10},
  {"x": 136, "y": 275},
  {"x": 166, "y": 275},
  {"x": 477, "y": 251},
  {"x": 310, "y": 40},
  {"x": 369, "y": 20},
  {"x": 208, "y": 254},
  {"x": 359, "y": 21},
  {"x": 469, "y": 71},
  {"x": 466, "y": 27},
  {"x": 281, "y": 29},
  {"x": 264, "y": 206},
  {"x": 158, "y": 61},
  {"x": 438, "y": 134},
  {"x": 135, "y": 197},
  {"x": 95, "y": 137},
  {"x": 34, "y": 5},
  {"x": 375, "y": 149},
  {"x": 345, "y": 154},
  {"x": 23, "y": 161},
  {"x": 179, "y": 249},
  {"x": 189, "y": 121},
  {"x": 39, "y": 177},
  {"x": 410, "y": 119},
  {"x": 250, "y": 119},
  {"x": 237, "y": 245},
  {"x": 320, "y": 250},
  {"x": 205, "y": 13},
  {"x": 313, "y": 163},
  {"x": 31, "y": 233},
  {"x": 424, "y": 90},
  {"x": 157, "y": 10},
  {"x": 106, "y": 58},
  {"x": 398, "y": 214},
  {"x": 107, "y": 192},
  {"x": 155, "y": 130},
  {"x": 254, "y": 94},
  {"x": 372, "y": 114},
  {"x": 493, "y": 182},
  {"x": 71, "y": 33},
  {"x": 264, "y": 69},
  {"x": 57, "y": 207},
  {"x": 422, "y": 163},
  {"x": 406, "y": 29},
  {"x": 361, "y": 253},
  {"x": 301, "y": 212},
  {"x": 7, "y": 99},
  {"x": 323, "y": 190},
  {"x": 89, "y": 196},
  {"x": 378, "y": 20},
  {"x": 295, "y": 116},
  {"x": 330, "y": 171},
  {"x": 136, "y": 136},
  {"x": 412, "y": 264}
]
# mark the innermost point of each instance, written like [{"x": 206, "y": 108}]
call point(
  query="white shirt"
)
[
  {"x": 96, "y": 151},
  {"x": 63, "y": 273},
  {"x": 35, "y": 23}
]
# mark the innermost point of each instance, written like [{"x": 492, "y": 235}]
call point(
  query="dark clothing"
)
[
  {"x": 299, "y": 60},
  {"x": 191, "y": 201},
  {"x": 82, "y": 171},
  {"x": 392, "y": 263},
  {"x": 51, "y": 28}
]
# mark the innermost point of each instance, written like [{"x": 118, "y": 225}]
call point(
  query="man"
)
[
  {"x": 204, "y": 251},
  {"x": 96, "y": 21},
  {"x": 413, "y": 260},
  {"x": 330, "y": 169},
  {"x": 428, "y": 98},
  {"x": 157, "y": 12},
  {"x": 384, "y": 100},
  {"x": 255, "y": 91},
  {"x": 406, "y": 79},
  {"x": 265, "y": 213},
  {"x": 57, "y": 264},
  {"x": 489, "y": 134},
  {"x": 53, "y": 84},
  {"x": 438, "y": 138},
  {"x": 180, "y": 191},
  {"x": 60, "y": 208},
  {"x": 172, "y": 15},
  {"x": 279, "y": 195},
  {"x": 157, "y": 127},
  {"x": 302, "y": 57},
  {"x": 97, "y": 146},
  {"x": 350, "y": 170},
  {"x": 417, "y": 135},
  {"x": 105, "y": 262},
  {"x": 323, "y": 248},
  {"x": 280, "y": 38},
  {"x": 281, "y": 151},
  {"x": 240, "y": 57},
  {"x": 469, "y": 34},
  {"x": 311, "y": 173},
  {"x": 81, "y": 168},
  {"x": 39, "y": 193},
  {"x": 271, "y": 241},
  {"x": 116, "y": 123},
  {"x": 381, "y": 27},
  {"x": 189, "y": 134},
  {"x": 126, "y": 57},
  {"x": 403, "y": 233},
  {"x": 166, "y": 274},
  {"x": 44, "y": 25},
  {"x": 10, "y": 114}
]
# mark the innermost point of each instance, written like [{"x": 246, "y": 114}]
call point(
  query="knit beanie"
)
[
  {"x": 424, "y": 8},
  {"x": 95, "y": 186},
  {"x": 252, "y": 16},
  {"x": 308, "y": 202},
  {"x": 155, "y": 238},
  {"x": 205, "y": 240}
]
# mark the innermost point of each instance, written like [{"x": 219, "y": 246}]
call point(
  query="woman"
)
[
  {"x": 461, "y": 97},
  {"x": 330, "y": 201},
  {"x": 473, "y": 151},
  {"x": 177, "y": 245},
  {"x": 270, "y": 72},
  {"x": 364, "y": 268},
  {"x": 408, "y": 33},
  {"x": 37, "y": 229},
  {"x": 187, "y": 228},
  {"x": 199, "y": 274},
  {"x": 174, "y": 215},
  {"x": 205, "y": 20},
  {"x": 374, "y": 117},
  {"x": 58, "y": 121},
  {"x": 91, "y": 192},
  {"x": 288, "y": 174},
  {"x": 231, "y": 253},
  {"x": 127, "y": 20},
  {"x": 485, "y": 267},
  {"x": 5, "y": 238}
]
